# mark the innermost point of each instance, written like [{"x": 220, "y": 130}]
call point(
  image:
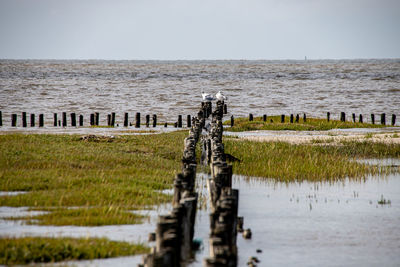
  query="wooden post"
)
[
  {"x": 126, "y": 120},
  {"x": 225, "y": 109},
  {"x": 176, "y": 124},
  {"x": 342, "y": 117},
  {"x": 24, "y": 124},
  {"x": 165, "y": 125},
  {"x": 154, "y": 120},
  {"x": 73, "y": 119},
  {"x": 59, "y": 123},
  {"x": 373, "y": 118},
  {"x": 304, "y": 117},
  {"x": 360, "y": 119},
  {"x": 297, "y": 118},
  {"x": 328, "y": 116},
  {"x": 179, "y": 121},
  {"x": 232, "y": 121},
  {"x": 291, "y": 118},
  {"x": 1, "y": 119},
  {"x": 264, "y": 118},
  {"x": 32, "y": 120},
  {"x": 64, "y": 119},
  {"x": 55, "y": 119},
  {"x": 14, "y": 120},
  {"x": 250, "y": 117},
  {"x": 189, "y": 121},
  {"x": 97, "y": 118},
  {"x": 41, "y": 120},
  {"x": 147, "y": 120},
  {"x": 112, "y": 119},
  {"x": 354, "y": 117},
  {"x": 108, "y": 119},
  {"x": 91, "y": 119},
  {"x": 137, "y": 125},
  {"x": 81, "y": 120},
  {"x": 393, "y": 119},
  {"x": 282, "y": 118},
  {"x": 383, "y": 119}
]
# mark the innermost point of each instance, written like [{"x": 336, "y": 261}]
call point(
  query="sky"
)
[{"x": 199, "y": 29}]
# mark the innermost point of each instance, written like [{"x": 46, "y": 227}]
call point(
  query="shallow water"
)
[{"x": 169, "y": 88}]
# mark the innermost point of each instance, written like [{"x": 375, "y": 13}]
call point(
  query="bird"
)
[
  {"x": 220, "y": 96},
  {"x": 206, "y": 96}
]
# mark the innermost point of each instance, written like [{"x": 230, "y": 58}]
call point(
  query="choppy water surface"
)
[{"x": 169, "y": 88}]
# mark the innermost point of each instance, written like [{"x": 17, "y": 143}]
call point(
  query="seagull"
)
[
  {"x": 220, "y": 96},
  {"x": 207, "y": 97}
]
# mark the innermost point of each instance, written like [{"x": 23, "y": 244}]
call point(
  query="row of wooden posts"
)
[
  {"x": 175, "y": 231},
  {"x": 296, "y": 118},
  {"x": 224, "y": 221}
]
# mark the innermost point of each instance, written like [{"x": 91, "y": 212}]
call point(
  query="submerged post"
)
[
  {"x": 354, "y": 117},
  {"x": 297, "y": 118},
  {"x": 154, "y": 120},
  {"x": 81, "y": 120},
  {"x": 64, "y": 119},
  {"x": 91, "y": 119},
  {"x": 73, "y": 119},
  {"x": 342, "y": 117},
  {"x": 147, "y": 120},
  {"x": 360, "y": 120},
  {"x": 1, "y": 119},
  {"x": 393, "y": 119},
  {"x": 264, "y": 118},
  {"x": 373, "y": 118},
  {"x": 304, "y": 117},
  {"x": 328, "y": 116},
  {"x": 282, "y": 118},
  {"x": 250, "y": 117},
  {"x": 112, "y": 119},
  {"x": 232, "y": 121},
  {"x": 291, "y": 118}
]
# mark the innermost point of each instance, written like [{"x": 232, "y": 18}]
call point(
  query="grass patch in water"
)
[
  {"x": 311, "y": 124},
  {"x": 287, "y": 162},
  {"x": 64, "y": 171},
  {"x": 41, "y": 249}
]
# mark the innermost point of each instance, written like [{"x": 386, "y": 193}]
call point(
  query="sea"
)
[{"x": 172, "y": 88}]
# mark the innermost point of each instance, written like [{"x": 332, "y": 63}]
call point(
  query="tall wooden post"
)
[
  {"x": 126, "y": 119},
  {"x": 32, "y": 120},
  {"x": 373, "y": 118},
  {"x": 81, "y": 120},
  {"x": 137, "y": 125},
  {"x": 64, "y": 119},
  {"x": 14, "y": 120},
  {"x": 179, "y": 121},
  {"x": 55, "y": 119},
  {"x": 383, "y": 119},
  {"x": 147, "y": 120},
  {"x": 328, "y": 116},
  {"x": 232, "y": 121},
  {"x": 360, "y": 120},
  {"x": 92, "y": 123},
  {"x": 24, "y": 124},
  {"x": 97, "y": 118},
  {"x": 393, "y": 119},
  {"x": 41, "y": 120},
  {"x": 73, "y": 119},
  {"x": 1, "y": 119},
  {"x": 188, "y": 121},
  {"x": 113, "y": 119}
]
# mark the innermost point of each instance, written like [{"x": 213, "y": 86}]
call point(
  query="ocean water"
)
[{"x": 170, "y": 88}]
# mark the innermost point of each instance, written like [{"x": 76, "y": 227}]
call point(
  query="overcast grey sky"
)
[{"x": 199, "y": 29}]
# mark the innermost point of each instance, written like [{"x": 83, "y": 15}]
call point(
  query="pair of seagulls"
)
[{"x": 209, "y": 97}]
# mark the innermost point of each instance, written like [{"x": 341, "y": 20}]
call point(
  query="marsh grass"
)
[
  {"x": 311, "y": 124},
  {"x": 287, "y": 162},
  {"x": 41, "y": 250},
  {"x": 61, "y": 171}
]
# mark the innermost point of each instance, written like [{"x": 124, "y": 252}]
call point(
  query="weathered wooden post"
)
[
  {"x": 154, "y": 120},
  {"x": 354, "y": 117},
  {"x": 137, "y": 125},
  {"x": 179, "y": 121},
  {"x": 304, "y": 117},
  {"x": 383, "y": 119},
  {"x": 360, "y": 119},
  {"x": 14, "y": 120},
  {"x": 264, "y": 118},
  {"x": 250, "y": 117},
  {"x": 112, "y": 119},
  {"x": 55, "y": 119},
  {"x": 393, "y": 119},
  {"x": 232, "y": 121},
  {"x": 91, "y": 119},
  {"x": 176, "y": 124},
  {"x": 32, "y": 120},
  {"x": 81, "y": 120},
  {"x": 108, "y": 119},
  {"x": 328, "y": 116},
  {"x": 97, "y": 118},
  {"x": 373, "y": 118},
  {"x": 41, "y": 120},
  {"x": 64, "y": 119},
  {"x": 282, "y": 118},
  {"x": 24, "y": 124},
  {"x": 147, "y": 120},
  {"x": 126, "y": 120},
  {"x": 342, "y": 117},
  {"x": 291, "y": 118},
  {"x": 59, "y": 123},
  {"x": 165, "y": 125},
  {"x": 189, "y": 121},
  {"x": 297, "y": 118},
  {"x": 73, "y": 119},
  {"x": 1, "y": 119},
  {"x": 225, "y": 109}
]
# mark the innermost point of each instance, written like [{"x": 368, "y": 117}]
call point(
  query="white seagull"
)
[
  {"x": 206, "y": 96},
  {"x": 220, "y": 96}
]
